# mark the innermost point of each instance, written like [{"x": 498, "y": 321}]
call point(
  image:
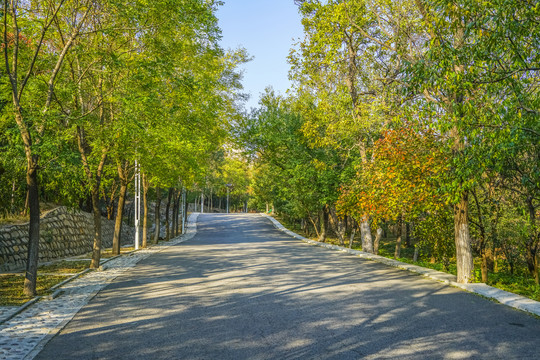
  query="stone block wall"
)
[{"x": 63, "y": 233}]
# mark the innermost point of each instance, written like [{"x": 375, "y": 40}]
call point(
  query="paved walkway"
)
[{"x": 23, "y": 336}]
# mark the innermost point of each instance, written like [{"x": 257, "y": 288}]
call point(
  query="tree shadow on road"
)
[{"x": 256, "y": 294}]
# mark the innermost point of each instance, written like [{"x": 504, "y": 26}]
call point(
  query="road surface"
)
[{"x": 240, "y": 289}]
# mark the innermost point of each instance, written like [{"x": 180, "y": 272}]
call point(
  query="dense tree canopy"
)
[{"x": 416, "y": 116}]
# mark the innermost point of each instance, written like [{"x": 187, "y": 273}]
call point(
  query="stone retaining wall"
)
[{"x": 63, "y": 233}]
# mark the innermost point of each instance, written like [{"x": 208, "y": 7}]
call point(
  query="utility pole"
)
[{"x": 137, "y": 202}]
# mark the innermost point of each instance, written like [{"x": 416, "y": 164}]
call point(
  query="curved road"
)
[{"x": 240, "y": 289}]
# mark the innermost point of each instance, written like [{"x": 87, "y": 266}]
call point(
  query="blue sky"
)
[{"x": 267, "y": 29}]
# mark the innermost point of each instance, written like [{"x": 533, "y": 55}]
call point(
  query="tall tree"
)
[{"x": 23, "y": 57}]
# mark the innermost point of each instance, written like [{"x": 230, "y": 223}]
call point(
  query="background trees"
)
[{"x": 424, "y": 116}]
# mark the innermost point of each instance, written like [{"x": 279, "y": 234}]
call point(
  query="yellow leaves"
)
[{"x": 319, "y": 165}]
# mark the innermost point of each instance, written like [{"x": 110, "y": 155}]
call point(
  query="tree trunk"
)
[
  {"x": 406, "y": 234},
  {"x": 397, "y": 252},
  {"x": 378, "y": 237},
  {"x": 95, "y": 180},
  {"x": 157, "y": 219},
  {"x": 96, "y": 249},
  {"x": 30, "y": 280},
  {"x": 312, "y": 222},
  {"x": 337, "y": 223},
  {"x": 185, "y": 211},
  {"x": 178, "y": 207},
  {"x": 365, "y": 233},
  {"x": 119, "y": 216},
  {"x": 146, "y": 186},
  {"x": 464, "y": 258},
  {"x": 173, "y": 217},
  {"x": 482, "y": 240},
  {"x": 167, "y": 215},
  {"x": 323, "y": 220},
  {"x": 123, "y": 170},
  {"x": 353, "y": 233},
  {"x": 484, "y": 267},
  {"x": 533, "y": 243},
  {"x": 174, "y": 213}
]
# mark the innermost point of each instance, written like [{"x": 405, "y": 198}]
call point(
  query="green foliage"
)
[
  {"x": 141, "y": 80},
  {"x": 423, "y": 104},
  {"x": 296, "y": 177}
]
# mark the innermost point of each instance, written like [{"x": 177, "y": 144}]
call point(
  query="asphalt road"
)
[{"x": 240, "y": 289}]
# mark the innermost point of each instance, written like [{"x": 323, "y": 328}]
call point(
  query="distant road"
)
[{"x": 240, "y": 289}]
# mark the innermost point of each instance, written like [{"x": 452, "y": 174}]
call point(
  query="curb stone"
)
[
  {"x": 25, "y": 334},
  {"x": 504, "y": 297}
]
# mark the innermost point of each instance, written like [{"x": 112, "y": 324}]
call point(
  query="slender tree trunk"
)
[
  {"x": 119, "y": 217},
  {"x": 13, "y": 188},
  {"x": 96, "y": 249},
  {"x": 406, "y": 234},
  {"x": 123, "y": 175},
  {"x": 533, "y": 243},
  {"x": 146, "y": 186},
  {"x": 168, "y": 215},
  {"x": 339, "y": 229},
  {"x": 378, "y": 237},
  {"x": 313, "y": 222},
  {"x": 178, "y": 205},
  {"x": 110, "y": 210},
  {"x": 353, "y": 234},
  {"x": 174, "y": 213},
  {"x": 95, "y": 180},
  {"x": 26, "y": 202},
  {"x": 397, "y": 252},
  {"x": 464, "y": 258},
  {"x": 30, "y": 280},
  {"x": 157, "y": 219},
  {"x": 323, "y": 220},
  {"x": 482, "y": 240},
  {"x": 185, "y": 212}
]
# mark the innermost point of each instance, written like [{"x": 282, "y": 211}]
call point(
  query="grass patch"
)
[
  {"x": 515, "y": 284},
  {"x": 14, "y": 219},
  {"x": 11, "y": 288},
  {"x": 107, "y": 253},
  {"x": 65, "y": 267}
]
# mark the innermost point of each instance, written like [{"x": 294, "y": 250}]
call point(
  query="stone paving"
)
[{"x": 24, "y": 335}]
